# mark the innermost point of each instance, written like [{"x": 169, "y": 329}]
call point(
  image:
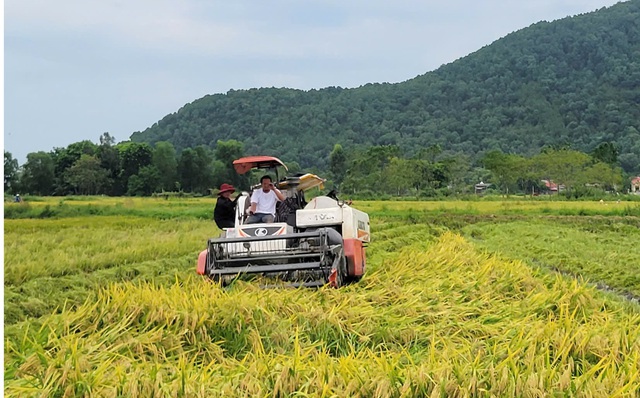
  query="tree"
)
[
  {"x": 87, "y": 177},
  {"x": 195, "y": 170},
  {"x": 530, "y": 180},
  {"x": 204, "y": 177},
  {"x": 459, "y": 167},
  {"x": 133, "y": 156},
  {"x": 367, "y": 168},
  {"x": 64, "y": 158},
  {"x": 38, "y": 173},
  {"x": 338, "y": 164},
  {"x": 10, "y": 172},
  {"x": 399, "y": 176},
  {"x": 107, "y": 140},
  {"x": 225, "y": 153},
  {"x": 110, "y": 161},
  {"x": 506, "y": 168},
  {"x": 165, "y": 162},
  {"x": 147, "y": 181},
  {"x": 187, "y": 169},
  {"x": 563, "y": 166},
  {"x": 605, "y": 175},
  {"x": 607, "y": 152},
  {"x": 430, "y": 153}
]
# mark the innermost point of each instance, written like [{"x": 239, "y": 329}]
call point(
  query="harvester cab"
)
[{"x": 310, "y": 243}]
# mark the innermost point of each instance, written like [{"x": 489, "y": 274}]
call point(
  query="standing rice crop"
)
[{"x": 434, "y": 318}]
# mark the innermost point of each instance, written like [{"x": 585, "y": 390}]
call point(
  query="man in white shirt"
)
[{"x": 263, "y": 202}]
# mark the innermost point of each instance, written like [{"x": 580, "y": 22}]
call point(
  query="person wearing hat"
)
[{"x": 224, "y": 213}]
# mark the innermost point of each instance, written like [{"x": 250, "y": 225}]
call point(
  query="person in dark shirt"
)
[{"x": 224, "y": 213}]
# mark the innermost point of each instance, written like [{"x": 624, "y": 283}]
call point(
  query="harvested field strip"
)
[
  {"x": 545, "y": 206},
  {"x": 390, "y": 240},
  {"x": 45, "y": 295},
  {"x": 37, "y": 248},
  {"x": 202, "y": 208},
  {"x": 601, "y": 254},
  {"x": 130, "y": 207},
  {"x": 53, "y": 263},
  {"x": 434, "y": 319}
]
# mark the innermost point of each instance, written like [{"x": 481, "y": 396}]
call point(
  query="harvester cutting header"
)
[{"x": 310, "y": 243}]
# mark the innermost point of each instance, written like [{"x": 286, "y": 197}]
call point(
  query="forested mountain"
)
[{"x": 572, "y": 82}]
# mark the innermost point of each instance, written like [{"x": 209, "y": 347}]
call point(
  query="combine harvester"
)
[{"x": 312, "y": 244}]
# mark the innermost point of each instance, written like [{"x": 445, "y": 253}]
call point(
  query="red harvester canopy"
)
[{"x": 245, "y": 164}]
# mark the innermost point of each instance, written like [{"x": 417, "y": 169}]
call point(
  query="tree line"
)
[
  {"x": 573, "y": 81},
  {"x": 384, "y": 170},
  {"x": 126, "y": 168},
  {"x": 139, "y": 169}
]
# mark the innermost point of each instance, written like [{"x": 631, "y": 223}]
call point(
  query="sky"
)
[{"x": 74, "y": 69}]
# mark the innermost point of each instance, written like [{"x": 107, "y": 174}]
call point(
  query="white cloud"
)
[{"x": 283, "y": 28}]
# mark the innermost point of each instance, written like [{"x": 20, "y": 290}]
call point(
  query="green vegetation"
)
[
  {"x": 569, "y": 82},
  {"x": 52, "y": 263},
  {"x": 372, "y": 173},
  {"x": 460, "y": 298},
  {"x": 166, "y": 207},
  {"x": 605, "y": 254},
  {"x": 550, "y": 106}
]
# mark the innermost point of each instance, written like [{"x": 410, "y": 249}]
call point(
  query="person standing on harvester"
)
[
  {"x": 263, "y": 202},
  {"x": 225, "y": 212}
]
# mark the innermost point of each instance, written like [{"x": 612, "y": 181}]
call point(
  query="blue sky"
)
[{"x": 77, "y": 68}]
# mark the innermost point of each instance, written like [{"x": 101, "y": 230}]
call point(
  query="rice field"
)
[{"x": 496, "y": 299}]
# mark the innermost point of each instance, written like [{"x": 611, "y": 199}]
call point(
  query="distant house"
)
[
  {"x": 552, "y": 187},
  {"x": 481, "y": 187},
  {"x": 635, "y": 185}
]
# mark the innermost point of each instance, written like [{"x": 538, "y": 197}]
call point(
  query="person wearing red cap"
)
[{"x": 224, "y": 213}]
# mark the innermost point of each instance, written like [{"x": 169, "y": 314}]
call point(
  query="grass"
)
[
  {"x": 607, "y": 255},
  {"x": 51, "y": 207},
  {"x": 48, "y": 262},
  {"x": 202, "y": 208},
  {"x": 506, "y": 207}
]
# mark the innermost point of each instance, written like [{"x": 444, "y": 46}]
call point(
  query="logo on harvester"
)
[{"x": 261, "y": 231}]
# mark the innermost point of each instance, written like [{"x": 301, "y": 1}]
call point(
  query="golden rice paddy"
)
[{"x": 437, "y": 315}]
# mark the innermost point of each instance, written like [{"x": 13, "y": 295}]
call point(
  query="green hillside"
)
[{"x": 574, "y": 81}]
